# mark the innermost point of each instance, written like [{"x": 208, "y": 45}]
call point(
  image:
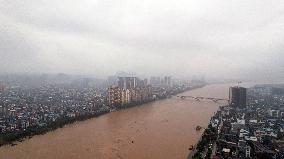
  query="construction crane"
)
[{"x": 239, "y": 83}]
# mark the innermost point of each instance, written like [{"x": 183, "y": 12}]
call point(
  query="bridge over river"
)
[{"x": 198, "y": 98}]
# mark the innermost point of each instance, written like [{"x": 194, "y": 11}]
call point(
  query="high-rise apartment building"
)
[
  {"x": 127, "y": 82},
  {"x": 2, "y": 87},
  {"x": 125, "y": 96},
  {"x": 168, "y": 81},
  {"x": 129, "y": 90},
  {"x": 114, "y": 96},
  {"x": 238, "y": 97},
  {"x": 161, "y": 82},
  {"x": 155, "y": 81}
]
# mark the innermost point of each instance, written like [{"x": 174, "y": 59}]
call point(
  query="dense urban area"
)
[
  {"x": 251, "y": 126},
  {"x": 36, "y": 105}
]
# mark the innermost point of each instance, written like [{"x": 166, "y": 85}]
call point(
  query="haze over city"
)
[
  {"x": 142, "y": 79},
  {"x": 216, "y": 39}
]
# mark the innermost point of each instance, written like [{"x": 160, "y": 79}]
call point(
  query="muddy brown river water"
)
[{"x": 163, "y": 129}]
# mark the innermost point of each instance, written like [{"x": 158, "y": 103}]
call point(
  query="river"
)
[{"x": 162, "y": 129}]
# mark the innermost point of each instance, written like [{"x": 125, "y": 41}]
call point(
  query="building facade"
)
[
  {"x": 114, "y": 96},
  {"x": 168, "y": 81},
  {"x": 127, "y": 82},
  {"x": 125, "y": 96},
  {"x": 238, "y": 97},
  {"x": 129, "y": 90}
]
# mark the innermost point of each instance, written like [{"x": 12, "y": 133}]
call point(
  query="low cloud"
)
[{"x": 220, "y": 39}]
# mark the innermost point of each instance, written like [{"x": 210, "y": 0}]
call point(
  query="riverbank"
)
[
  {"x": 19, "y": 136},
  {"x": 205, "y": 146},
  {"x": 163, "y": 129}
]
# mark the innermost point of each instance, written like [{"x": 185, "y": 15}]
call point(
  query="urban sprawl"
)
[
  {"x": 29, "y": 107},
  {"x": 251, "y": 126}
]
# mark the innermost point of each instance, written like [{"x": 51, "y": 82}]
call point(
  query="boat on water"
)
[{"x": 198, "y": 128}]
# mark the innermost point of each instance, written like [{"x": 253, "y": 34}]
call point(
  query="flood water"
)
[{"x": 163, "y": 129}]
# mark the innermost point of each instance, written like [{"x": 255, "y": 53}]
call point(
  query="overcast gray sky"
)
[{"x": 215, "y": 38}]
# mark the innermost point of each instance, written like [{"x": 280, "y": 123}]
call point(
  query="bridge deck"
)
[{"x": 199, "y": 98}]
